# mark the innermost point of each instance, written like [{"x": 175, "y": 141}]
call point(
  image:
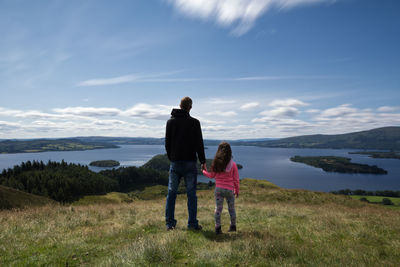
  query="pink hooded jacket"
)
[{"x": 229, "y": 179}]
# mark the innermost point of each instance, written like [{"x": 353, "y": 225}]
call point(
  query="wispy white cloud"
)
[
  {"x": 338, "y": 111},
  {"x": 281, "y": 112},
  {"x": 240, "y": 13},
  {"x": 249, "y": 106},
  {"x": 220, "y": 113},
  {"x": 288, "y": 103},
  {"x": 146, "y": 111},
  {"x": 281, "y": 109},
  {"x": 8, "y": 112},
  {"x": 6, "y": 126},
  {"x": 35, "y": 114},
  {"x": 157, "y": 77},
  {"x": 220, "y": 101},
  {"x": 89, "y": 111},
  {"x": 109, "y": 81},
  {"x": 389, "y": 108},
  {"x": 165, "y": 78}
]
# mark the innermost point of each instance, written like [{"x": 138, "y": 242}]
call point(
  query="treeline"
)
[
  {"x": 57, "y": 180},
  {"x": 65, "y": 182},
  {"x": 360, "y": 192},
  {"x": 105, "y": 163},
  {"x": 133, "y": 178}
]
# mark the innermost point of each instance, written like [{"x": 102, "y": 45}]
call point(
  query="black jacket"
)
[{"x": 183, "y": 138}]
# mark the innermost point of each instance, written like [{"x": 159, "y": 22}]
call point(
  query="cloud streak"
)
[
  {"x": 131, "y": 78},
  {"x": 146, "y": 111},
  {"x": 242, "y": 14},
  {"x": 288, "y": 103},
  {"x": 249, "y": 106},
  {"x": 89, "y": 111},
  {"x": 220, "y": 113},
  {"x": 109, "y": 81}
]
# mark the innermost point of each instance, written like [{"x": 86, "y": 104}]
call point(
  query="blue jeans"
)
[{"x": 187, "y": 170}]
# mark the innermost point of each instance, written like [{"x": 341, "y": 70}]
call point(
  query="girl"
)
[{"x": 226, "y": 175}]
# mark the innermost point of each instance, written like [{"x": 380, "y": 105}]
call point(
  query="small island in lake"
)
[
  {"x": 378, "y": 154},
  {"x": 104, "y": 163},
  {"x": 338, "y": 164}
]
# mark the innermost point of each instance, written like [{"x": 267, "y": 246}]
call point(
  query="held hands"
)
[{"x": 204, "y": 167}]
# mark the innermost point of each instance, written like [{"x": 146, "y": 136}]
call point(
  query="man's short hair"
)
[{"x": 186, "y": 103}]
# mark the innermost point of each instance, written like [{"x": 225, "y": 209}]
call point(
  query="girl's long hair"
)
[{"x": 222, "y": 157}]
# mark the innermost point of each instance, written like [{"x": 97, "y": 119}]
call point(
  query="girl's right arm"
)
[
  {"x": 209, "y": 174},
  {"x": 236, "y": 180}
]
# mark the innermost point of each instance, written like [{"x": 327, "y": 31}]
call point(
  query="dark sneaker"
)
[
  {"x": 170, "y": 227},
  {"x": 171, "y": 224},
  {"x": 197, "y": 228},
  {"x": 232, "y": 228},
  {"x": 218, "y": 230}
]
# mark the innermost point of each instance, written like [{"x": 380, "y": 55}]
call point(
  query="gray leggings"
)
[{"x": 220, "y": 194}]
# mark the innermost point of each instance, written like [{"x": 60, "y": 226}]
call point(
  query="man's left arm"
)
[{"x": 168, "y": 140}]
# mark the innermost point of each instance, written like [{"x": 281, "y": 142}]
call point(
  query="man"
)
[{"x": 184, "y": 143}]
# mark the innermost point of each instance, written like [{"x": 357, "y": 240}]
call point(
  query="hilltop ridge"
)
[{"x": 276, "y": 227}]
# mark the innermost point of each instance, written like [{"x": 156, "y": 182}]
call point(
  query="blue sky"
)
[{"x": 254, "y": 69}]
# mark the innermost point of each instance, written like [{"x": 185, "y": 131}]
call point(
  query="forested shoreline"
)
[{"x": 67, "y": 182}]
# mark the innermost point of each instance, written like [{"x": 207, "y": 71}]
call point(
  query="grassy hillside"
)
[
  {"x": 276, "y": 227},
  {"x": 381, "y": 138},
  {"x": 11, "y": 198}
]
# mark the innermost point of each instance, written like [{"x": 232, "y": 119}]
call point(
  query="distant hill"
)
[
  {"x": 135, "y": 140},
  {"x": 387, "y": 138},
  {"x": 11, "y": 198},
  {"x": 122, "y": 140},
  {"x": 42, "y": 145}
]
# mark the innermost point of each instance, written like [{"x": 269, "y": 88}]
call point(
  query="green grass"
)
[
  {"x": 110, "y": 198},
  {"x": 276, "y": 227},
  {"x": 378, "y": 199}
]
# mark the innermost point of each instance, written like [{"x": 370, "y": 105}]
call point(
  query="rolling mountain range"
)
[{"x": 387, "y": 138}]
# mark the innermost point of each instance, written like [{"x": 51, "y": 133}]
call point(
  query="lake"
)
[{"x": 272, "y": 164}]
